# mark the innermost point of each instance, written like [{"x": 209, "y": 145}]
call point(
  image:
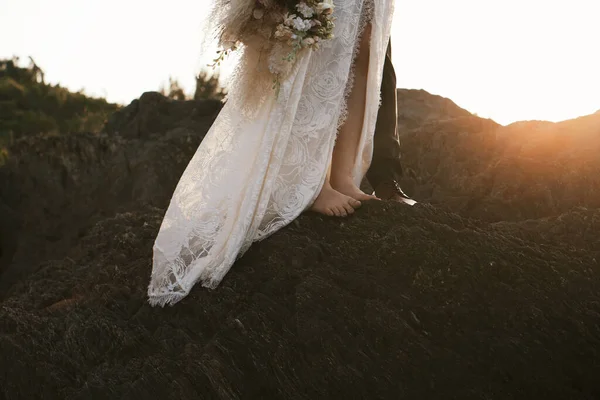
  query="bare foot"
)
[
  {"x": 347, "y": 187},
  {"x": 333, "y": 203}
]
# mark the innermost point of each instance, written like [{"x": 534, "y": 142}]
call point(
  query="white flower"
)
[
  {"x": 305, "y": 10},
  {"x": 325, "y": 7},
  {"x": 301, "y": 25},
  {"x": 288, "y": 19}
]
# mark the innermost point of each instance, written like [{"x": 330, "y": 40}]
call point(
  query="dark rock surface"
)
[
  {"x": 492, "y": 292},
  {"x": 57, "y": 187},
  {"x": 153, "y": 114},
  {"x": 398, "y": 302}
]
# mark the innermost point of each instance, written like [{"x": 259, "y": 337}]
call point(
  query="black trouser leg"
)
[{"x": 386, "y": 147}]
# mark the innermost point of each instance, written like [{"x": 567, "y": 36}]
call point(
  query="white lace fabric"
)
[{"x": 259, "y": 168}]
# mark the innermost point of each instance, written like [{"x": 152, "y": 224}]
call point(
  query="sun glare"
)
[{"x": 507, "y": 60}]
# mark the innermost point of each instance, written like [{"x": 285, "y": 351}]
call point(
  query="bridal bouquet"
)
[{"x": 279, "y": 28}]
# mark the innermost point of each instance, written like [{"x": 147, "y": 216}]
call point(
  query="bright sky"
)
[{"x": 504, "y": 59}]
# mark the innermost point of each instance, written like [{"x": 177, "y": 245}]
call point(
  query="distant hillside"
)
[
  {"x": 418, "y": 106},
  {"x": 29, "y": 106},
  {"x": 483, "y": 170}
]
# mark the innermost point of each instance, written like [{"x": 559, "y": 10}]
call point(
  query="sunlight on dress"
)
[{"x": 256, "y": 172}]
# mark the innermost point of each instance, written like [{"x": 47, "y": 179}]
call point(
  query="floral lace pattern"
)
[{"x": 258, "y": 168}]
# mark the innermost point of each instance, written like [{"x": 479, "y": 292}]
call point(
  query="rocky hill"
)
[
  {"x": 489, "y": 288},
  {"x": 483, "y": 170},
  {"x": 54, "y": 188}
]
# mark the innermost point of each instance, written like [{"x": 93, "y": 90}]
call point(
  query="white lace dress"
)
[{"x": 255, "y": 173}]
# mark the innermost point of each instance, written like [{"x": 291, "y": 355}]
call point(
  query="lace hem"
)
[{"x": 164, "y": 299}]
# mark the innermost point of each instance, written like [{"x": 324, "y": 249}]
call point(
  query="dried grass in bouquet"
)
[{"x": 271, "y": 34}]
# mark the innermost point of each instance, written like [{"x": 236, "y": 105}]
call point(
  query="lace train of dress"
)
[{"x": 254, "y": 174}]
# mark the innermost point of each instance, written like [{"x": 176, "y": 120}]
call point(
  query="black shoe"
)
[{"x": 390, "y": 190}]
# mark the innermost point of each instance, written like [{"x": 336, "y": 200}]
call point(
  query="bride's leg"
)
[
  {"x": 339, "y": 195},
  {"x": 333, "y": 203},
  {"x": 346, "y": 146}
]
